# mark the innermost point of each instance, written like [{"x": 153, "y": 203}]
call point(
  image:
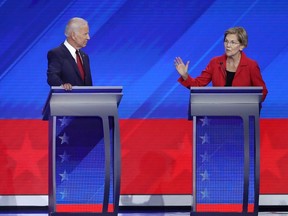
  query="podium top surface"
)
[
  {"x": 220, "y": 90},
  {"x": 224, "y": 101},
  {"x": 87, "y": 89},
  {"x": 225, "y": 95},
  {"x": 80, "y": 97}
]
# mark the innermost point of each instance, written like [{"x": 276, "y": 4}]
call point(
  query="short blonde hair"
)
[{"x": 241, "y": 34}]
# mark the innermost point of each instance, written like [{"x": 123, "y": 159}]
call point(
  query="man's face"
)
[{"x": 81, "y": 37}]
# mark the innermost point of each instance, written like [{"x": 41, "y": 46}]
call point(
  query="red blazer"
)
[{"x": 247, "y": 74}]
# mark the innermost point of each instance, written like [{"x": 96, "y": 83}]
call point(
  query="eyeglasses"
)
[{"x": 232, "y": 43}]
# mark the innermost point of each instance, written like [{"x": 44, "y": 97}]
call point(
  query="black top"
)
[{"x": 229, "y": 78}]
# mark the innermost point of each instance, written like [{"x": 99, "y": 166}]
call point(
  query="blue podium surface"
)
[
  {"x": 84, "y": 150},
  {"x": 225, "y": 150}
]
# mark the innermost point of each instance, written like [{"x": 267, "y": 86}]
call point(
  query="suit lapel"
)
[{"x": 72, "y": 60}]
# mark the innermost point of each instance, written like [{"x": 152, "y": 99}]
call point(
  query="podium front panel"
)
[
  {"x": 84, "y": 150},
  {"x": 82, "y": 160},
  {"x": 220, "y": 156},
  {"x": 225, "y": 150}
]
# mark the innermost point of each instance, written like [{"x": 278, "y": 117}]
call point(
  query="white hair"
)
[{"x": 74, "y": 25}]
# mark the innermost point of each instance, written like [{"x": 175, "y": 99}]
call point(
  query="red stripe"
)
[
  {"x": 156, "y": 156},
  {"x": 222, "y": 208},
  {"x": 82, "y": 208}
]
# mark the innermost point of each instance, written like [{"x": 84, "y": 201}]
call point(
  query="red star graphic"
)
[
  {"x": 182, "y": 156},
  {"x": 26, "y": 158},
  {"x": 270, "y": 157}
]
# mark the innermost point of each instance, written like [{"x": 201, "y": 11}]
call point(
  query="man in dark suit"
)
[{"x": 64, "y": 67}]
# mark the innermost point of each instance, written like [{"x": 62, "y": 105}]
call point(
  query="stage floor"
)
[{"x": 152, "y": 213}]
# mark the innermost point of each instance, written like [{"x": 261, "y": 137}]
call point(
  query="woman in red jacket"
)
[{"x": 233, "y": 68}]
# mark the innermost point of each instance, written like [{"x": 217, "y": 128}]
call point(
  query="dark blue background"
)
[{"x": 133, "y": 44}]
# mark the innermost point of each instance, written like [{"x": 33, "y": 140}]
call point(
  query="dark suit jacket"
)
[{"x": 62, "y": 68}]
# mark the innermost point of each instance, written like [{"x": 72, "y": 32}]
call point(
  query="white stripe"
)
[
  {"x": 23, "y": 200},
  {"x": 186, "y": 200},
  {"x": 139, "y": 200}
]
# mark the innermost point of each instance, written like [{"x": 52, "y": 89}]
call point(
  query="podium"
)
[
  {"x": 225, "y": 150},
  {"x": 84, "y": 150}
]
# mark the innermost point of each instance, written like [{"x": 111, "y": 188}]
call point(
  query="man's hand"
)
[{"x": 67, "y": 86}]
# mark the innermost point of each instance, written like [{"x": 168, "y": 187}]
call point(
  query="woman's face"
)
[{"x": 232, "y": 45}]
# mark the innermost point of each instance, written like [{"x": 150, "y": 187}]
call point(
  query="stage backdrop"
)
[{"x": 133, "y": 44}]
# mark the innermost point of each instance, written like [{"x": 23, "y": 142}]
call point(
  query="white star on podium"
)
[
  {"x": 205, "y": 157},
  {"x": 64, "y": 176},
  {"x": 64, "y": 157},
  {"x": 64, "y": 138},
  {"x": 204, "y": 194},
  {"x": 64, "y": 121},
  {"x": 205, "y": 138},
  {"x": 205, "y": 121},
  {"x": 205, "y": 175},
  {"x": 63, "y": 194}
]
